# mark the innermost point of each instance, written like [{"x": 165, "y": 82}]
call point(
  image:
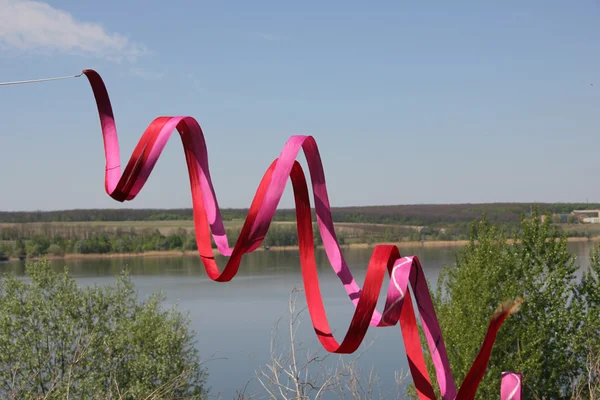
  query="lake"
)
[{"x": 233, "y": 321}]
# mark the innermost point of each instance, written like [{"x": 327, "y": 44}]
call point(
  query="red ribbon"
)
[{"x": 405, "y": 272}]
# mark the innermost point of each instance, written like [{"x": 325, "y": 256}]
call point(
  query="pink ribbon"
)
[{"x": 405, "y": 272}]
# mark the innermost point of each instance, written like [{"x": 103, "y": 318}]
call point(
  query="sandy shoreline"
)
[{"x": 179, "y": 253}]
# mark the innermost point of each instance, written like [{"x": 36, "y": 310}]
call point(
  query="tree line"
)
[
  {"x": 24, "y": 241},
  {"x": 20, "y": 242},
  {"x": 27, "y": 241},
  {"x": 411, "y": 214}
]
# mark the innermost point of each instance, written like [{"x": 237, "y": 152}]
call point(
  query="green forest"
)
[
  {"x": 416, "y": 214},
  {"x": 19, "y": 243}
]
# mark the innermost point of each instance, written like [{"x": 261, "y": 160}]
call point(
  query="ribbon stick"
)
[
  {"x": 40, "y": 80},
  {"x": 405, "y": 273}
]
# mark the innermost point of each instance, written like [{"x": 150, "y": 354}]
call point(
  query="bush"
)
[
  {"x": 54, "y": 250},
  {"x": 58, "y": 340},
  {"x": 545, "y": 340}
]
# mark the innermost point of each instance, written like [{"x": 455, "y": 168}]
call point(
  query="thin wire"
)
[{"x": 40, "y": 80}]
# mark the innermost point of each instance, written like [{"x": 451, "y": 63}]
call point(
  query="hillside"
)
[{"x": 416, "y": 214}]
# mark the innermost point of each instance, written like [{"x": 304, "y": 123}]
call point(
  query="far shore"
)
[{"x": 179, "y": 253}]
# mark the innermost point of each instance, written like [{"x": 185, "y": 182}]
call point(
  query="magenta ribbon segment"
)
[{"x": 407, "y": 272}]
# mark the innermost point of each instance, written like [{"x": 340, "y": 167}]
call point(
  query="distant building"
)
[
  {"x": 576, "y": 216},
  {"x": 589, "y": 213},
  {"x": 587, "y": 216}
]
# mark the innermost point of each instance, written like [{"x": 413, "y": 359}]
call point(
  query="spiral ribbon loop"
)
[{"x": 405, "y": 273}]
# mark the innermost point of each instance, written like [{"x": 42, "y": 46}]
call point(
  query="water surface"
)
[{"x": 233, "y": 321}]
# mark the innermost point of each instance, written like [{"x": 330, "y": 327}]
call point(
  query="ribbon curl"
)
[{"x": 405, "y": 272}]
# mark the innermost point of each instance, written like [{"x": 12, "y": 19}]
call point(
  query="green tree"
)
[
  {"x": 538, "y": 340},
  {"x": 59, "y": 340},
  {"x": 54, "y": 250},
  {"x": 587, "y": 340},
  {"x": 174, "y": 242},
  {"x": 4, "y": 253},
  {"x": 317, "y": 235},
  {"x": 191, "y": 243},
  {"x": 32, "y": 249},
  {"x": 19, "y": 250},
  {"x": 387, "y": 236}
]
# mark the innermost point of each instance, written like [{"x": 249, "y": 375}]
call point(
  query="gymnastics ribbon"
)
[{"x": 405, "y": 272}]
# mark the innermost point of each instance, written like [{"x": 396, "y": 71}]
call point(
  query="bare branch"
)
[{"x": 302, "y": 381}]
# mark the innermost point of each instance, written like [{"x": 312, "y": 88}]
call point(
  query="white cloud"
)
[{"x": 37, "y": 26}]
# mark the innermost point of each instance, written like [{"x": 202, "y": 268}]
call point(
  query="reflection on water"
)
[{"x": 233, "y": 320}]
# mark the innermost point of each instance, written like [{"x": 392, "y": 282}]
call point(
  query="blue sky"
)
[{"x": 409, "y": 102}]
